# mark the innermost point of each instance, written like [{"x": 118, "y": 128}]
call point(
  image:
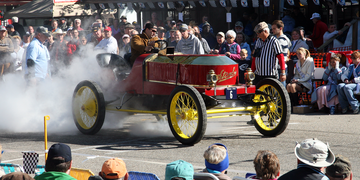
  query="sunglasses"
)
[
  {"x": 260, "y": 31},
  {"x": 154, "y": 31},
  {"x": 229, "y": 37}
]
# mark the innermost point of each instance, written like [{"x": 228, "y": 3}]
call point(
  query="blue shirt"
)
[{"x": 40, "y": 55}]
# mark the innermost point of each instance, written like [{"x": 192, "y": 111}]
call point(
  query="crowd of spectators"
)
[{"x": 315, "y": 161}]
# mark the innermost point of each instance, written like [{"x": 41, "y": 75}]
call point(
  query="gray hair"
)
[
  {"x": 267, "y": 30},
  {"x": 15, "y": 19},
  {"x": 231, "y": 33},
  {"x": 215, "y": 153},
  {"x": 77, "y": 20}
]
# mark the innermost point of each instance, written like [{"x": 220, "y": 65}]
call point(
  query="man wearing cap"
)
[
  {"x": 220, "y": 38},
  {"x": 319, "y": 30},
  {"x": 204, "y": 20},
  {"x": 168, "y": 24},
  {"x": 18, "y": 27},
  {"x": 109, "y": 43},
  {"x": 37, "y": 57},
  {"x": 126, "y": 44},
  {"x": 208, "y": 35},
  {"x": 239, "y": 28},
  {"x": 217, "y": 161},
  {"x": 58, "y": 163},
  {"x": 62, "y": 24},
  {"x": 179, "y": 169},
  {"x": 189, "y": 43},
  {"x": 143, "y": 43},
  {"x": 340, "y": 170},
  {"x": 58, "y": 52},
  {"x": 11, "y": 31},
  {"x": 161, "y": 33},
  {"x": 96, "y": 36},
  {"x": 128, "y": 28},
  {"x": 123, "y": 19},
  {"x": 313, "y": 157},
  {"x": 113, "y": 168}
]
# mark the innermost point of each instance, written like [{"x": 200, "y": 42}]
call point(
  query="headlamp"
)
[
  {"x": 249, "y": 76},
  {"x": 211, "y": 78}
]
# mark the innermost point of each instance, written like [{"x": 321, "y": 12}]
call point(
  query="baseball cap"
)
[
  {"x": 125, "y": 36},
  {"x": 2, "y": 28},
  {"x": 60, "y": 150},
  {"x": 239, "y": 23},
  {"x": 314, "y": 153},
  {"x": 340, "y": 169},
  {"x": 183, "y": 27},
  {"x": 315, "y": 15},
  {"x": 129, "y": 25},
  {"x": 43, "y": 30},
  {"x": 107, "y": 28},
  {"x": 113, "y": 168},
  {"x": 173, "y": 22},
  {"x": 62, "y": 18},
  {"x": 123, "y": 17},
  {"x": 260, "y": 26},
  {"x": 179, "y": 168},
  {"x": 10, "y": 26},
  {"x": 220, "y": 34}
]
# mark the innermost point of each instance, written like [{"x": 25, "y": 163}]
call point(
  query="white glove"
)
[
  {"x": 329, "y": 66},
  {"x": 337, "y": 64}
]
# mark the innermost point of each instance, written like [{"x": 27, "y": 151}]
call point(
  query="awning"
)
[
  {"x": 49, "y": 9},
  {"x": 13, "y": 2}
]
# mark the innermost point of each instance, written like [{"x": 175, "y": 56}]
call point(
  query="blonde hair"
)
[
  {"x": 244, "y": 51},
  {"x": 267, "y": 165},
  {"x": 355, "y": 55},
  {"x": 215, "y": 154},
  {"x": 305, "y": 51},
  {"x": 336, "y": 57}
]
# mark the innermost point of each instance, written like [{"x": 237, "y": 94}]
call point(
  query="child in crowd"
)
[
  {"x": 267, "y": 166},
  {"x": 243, "y": 65},
  {"x": 243, "y": 54},
  {"x": 350, "y": 86},
  {"x": 304, "y": 73},
  {"x": 326, "y": 95}
]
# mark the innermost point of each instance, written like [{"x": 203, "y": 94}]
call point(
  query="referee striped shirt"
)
[{"x": 266, "y": 64}]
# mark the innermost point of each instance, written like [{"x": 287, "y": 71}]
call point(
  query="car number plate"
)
[{"x": 231, "y": 93}]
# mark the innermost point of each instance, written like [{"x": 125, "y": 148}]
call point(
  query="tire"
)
[
  {"x": 88, "y": 106},
  {"x": 274, "y": 118},
  {"x": 186, "y": 115}
]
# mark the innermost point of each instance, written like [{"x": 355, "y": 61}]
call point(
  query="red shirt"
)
[{"x": 318, "y": 32}]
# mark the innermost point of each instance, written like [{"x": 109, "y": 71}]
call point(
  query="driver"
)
[{"x": 143, "y": 43}]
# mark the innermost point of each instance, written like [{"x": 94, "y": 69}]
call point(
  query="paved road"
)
[{"x": 147, "y": 145}]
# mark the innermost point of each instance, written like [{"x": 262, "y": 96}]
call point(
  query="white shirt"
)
[{"x": 108, "y": 44}]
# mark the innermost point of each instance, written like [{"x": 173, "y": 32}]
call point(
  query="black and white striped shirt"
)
[{"x": 266, "y": 64}]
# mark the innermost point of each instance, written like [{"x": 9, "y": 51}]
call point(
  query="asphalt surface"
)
[{"x": 147, "y": 145}]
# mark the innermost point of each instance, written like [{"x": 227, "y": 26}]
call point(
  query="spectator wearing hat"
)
[
  {"x": 161, "y": 33},
  {"x": 128, "y": 28},
  {"x": 6, "y": 48},
  {"x": 77, "y": 24},
  {"x": 62, "y": 24},
  {"x": 217, "y": 161},
  {"x": 340, "y": 170},
  {"x": 54, "y": 25},
  {"x": 126, "y": 44},
  {"x": 96, "y": 35},
  {"x": 108, "y": 43},
  {"x": 189, "y": 44},
  {"x": 11, "y": 31},
  {"x": 319, "y": 30},
  {"x": 179, "y": 169},
  {"x": 208, "y": 35},
  {"x": 230, "y": 48},
  {"x": 204, "y": 20},
  {"x": 267, "y": 166},
  {"x": 239, "y": 27},
  {"x": 18, "y": 27},
  {"x": 58, "y": 163},
  {"x": 16, "y": 176},
  {"x": 143, "y": 43},
  {"x": 220, "y": 38},
  {"x": 313, "y": 157},
  {"x": 58, "y": 52},
  {"x": 25, "y": 40},
  {"x": 123, "y": 19},
  {"x": 171, "y": 37},
  {"x": 112, "y": 169}
]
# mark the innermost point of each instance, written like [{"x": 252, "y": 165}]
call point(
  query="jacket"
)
[
  {"x": 138, "y": 44},
  {"x": 53, "y": 175},
  {"x": 318, "y": 32},
  {"x": 307, "y": 69},
  {"x": 349, "y": 73},
  {"x": 233, "y": 48},
  {"x": 191, "y": 45}
]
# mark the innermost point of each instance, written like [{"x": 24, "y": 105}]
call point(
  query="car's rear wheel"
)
[
  {"x": 187, "y": 115},
  {"x": 274, "y": 116},
  {"x": 88, "y": 107}
]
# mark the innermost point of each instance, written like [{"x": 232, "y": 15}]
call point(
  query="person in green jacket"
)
[{"x": 58, "y": 163}]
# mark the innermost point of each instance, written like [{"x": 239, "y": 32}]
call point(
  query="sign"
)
[
  {"x": 142, "y": 5},
  {"x": 202, "y": 3},
  {"x": 316, "y": 2},
  {"x": 341, "y": 2},
  {"x": 120, "y": 5},
  {"x": 244, "y": 3},
  {"x": 161, "y": 4},
  {"x": 102, "y": 6},
  {"x": 291, "y": 2},
  {"x": 231, "y": 93},
  {"x": 228, "y": 17},
  {"x": 266, "y": 3},
  {"x": 181, "y": 16},
  {"x": 223, "y": 3},
  {"x": 255, "y": 3}
]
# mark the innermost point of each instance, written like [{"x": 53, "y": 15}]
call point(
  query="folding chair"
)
[
  {"x": 203, "y": 176},
  {"x": 135, "y": 175},
  {"x": 6, "y": 168}
]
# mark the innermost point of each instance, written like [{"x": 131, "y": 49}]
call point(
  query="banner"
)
[
  {"x": 266, "y": 3},
  {"x": 202, "y": 3},
  {"x": 341, "y": 2},
  {"x": 255, "y": 3},
  {"x": 142, "y": 5},
  {"x": 316, "y": 2},
  {"x": 102, "y": 6},
  {"x": 223, "y": 3},
  {"x": 161, "y": 4},
  {"x": 291, "y": 2},
  {"x": 120, "y": 5},
  {"x": 244, "y": 3}
]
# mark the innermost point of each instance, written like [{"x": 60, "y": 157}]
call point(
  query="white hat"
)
[
  {"x": 125, "y": 36},
  {"x": 315, "y": 15},
  {"x": 314, "y": 153},
  {"x": 59, "y": 31}
]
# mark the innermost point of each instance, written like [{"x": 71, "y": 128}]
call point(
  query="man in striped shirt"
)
[
  {"x": 268, "y": 53},
  {"x": 285, "y": 43}
]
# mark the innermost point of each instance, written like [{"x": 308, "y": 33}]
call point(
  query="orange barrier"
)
[{"x": 81, "y": 174}]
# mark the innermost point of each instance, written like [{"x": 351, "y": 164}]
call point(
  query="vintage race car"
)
[{"x": 188, "y": 89}]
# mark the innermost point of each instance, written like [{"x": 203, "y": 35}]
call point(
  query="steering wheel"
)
[{"x": 162, "y": 45}]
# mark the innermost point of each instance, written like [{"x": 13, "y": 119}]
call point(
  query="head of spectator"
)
[
  {"x": 177, "y": 35},
  {"x": 314, "y": 153},
  {"x": 302, "y": 54},
  {"x": 114, "y": 169},
  {"x": 122, "y": 26},
  {"x": 126, "y": 38},
  {"x": 59, "y": 34},
  {"x": 204, "y": 19},
  {"x": 315, "y": 17},
  {"x": 196, "y": 29},
  {"x": 240, "y": 38},
  {"x": 161, "y": 32},
  {"x": 267, "y": 165},
  {"x": 100, "y": 22},
  {"x": 220, "y": 37},
  {"x": 16, "y": 41},
  {"x": 128, "y": 28},
  {"x": 69, "y": 33},
  {"x": 153, "y": 16},
  {"x": 216, "y": 158},
  {"x": 54, "y": 24},
  {"x": 198, "y": 35},
  {"x": 192, "y": 24},
  {"x": 230, "y": 36},
  {"x": 31, "y": 30},
  {"x": 340, "y": 170},
  {"x": 16, "y": 176},
  {"x": 51, "y": 38},
  {"x": 59, "y": 158},
  {"x": 10, "y": 28},
  {"x": 277, "y": 28},
  {"x": 243, "y": 54},
  {"x": 179, "y": 169},
  {"x": 184, "y": 31},
  {"x": 149, "y": 30},
  {"x": 206, "y": 28},
  {"x": 192, "y": 31},
  {"x": 62, "y": 20},
  {"x": 239, "y": 27},
  {"x": 26, "y": 37},
  {"x": 2, "y": 32},
  {"x": 96, "y": 30},
  {"x": 15, "y": 19},
  {"x": 262, "y": 30},
  {"x": 332, "y": 27},
  {"x": 169, "y": 21},
  {"x": 355, "y": 57},
  {"x": 75, "y": 34},
  {"x": 133, "y": 33},
  {"x": 42, "y": 34},
  {"x": 115, "y": 23},
  {"x": 77, "y": 23},
  {"x": 123, "y": 19},
  {"x": 296, "y": 34},
  {"x": 83, "y": 40},
  {"x": 108, "y": 32},
  {"x": 333, "y": 59},
  {"x": 179, "y": 23}
]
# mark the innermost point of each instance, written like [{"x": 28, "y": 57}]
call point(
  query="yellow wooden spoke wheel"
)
[
  {"x": 88, "y": 107},
  {"x": 187, "y": 115}
]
